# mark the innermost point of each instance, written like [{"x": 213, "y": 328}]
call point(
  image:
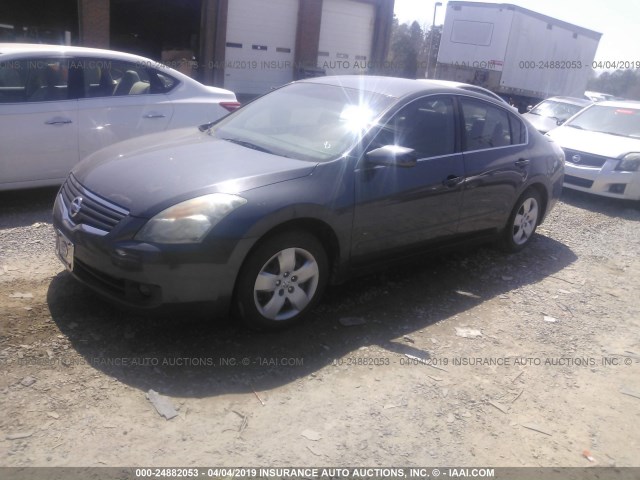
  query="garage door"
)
[
  {"x": 261, "y": 37},
  {"x": 346, "y": 34}
]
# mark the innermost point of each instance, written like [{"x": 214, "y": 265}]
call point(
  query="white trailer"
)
[{"x": 515, "y": 52}]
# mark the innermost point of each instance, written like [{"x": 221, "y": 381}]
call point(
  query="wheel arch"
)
[
  {"x": 324, "y": 237},
  {"x": 544, "y": 197},
  {"x": 321, "y": 230},
  {"x": 316, "y": 227}
]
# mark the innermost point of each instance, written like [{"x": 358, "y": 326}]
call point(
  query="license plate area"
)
[{"x": 65, "y": 250}]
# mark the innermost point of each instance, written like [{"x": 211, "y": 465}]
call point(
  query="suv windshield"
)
[
  {"x": 558, "y": 110},
  {"x": 621, "y": 121},
  {"x": 305, "y": 121}
]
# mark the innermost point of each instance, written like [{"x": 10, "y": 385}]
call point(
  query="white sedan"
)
[
  {"x": 58, "y": 104},
  {"x": 602, "y": 149}
]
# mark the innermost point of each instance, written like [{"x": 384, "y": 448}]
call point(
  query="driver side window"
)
[{"x": 426, "y": 125}]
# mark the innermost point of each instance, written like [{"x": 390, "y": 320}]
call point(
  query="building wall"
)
[
  {"x": 94, "y": 23},
  {"x": 95, "y": 27},
  {"x": 382, "y": 33},
  {"x": 308, "y": 37},
  {"x": 209, "y": 40}
]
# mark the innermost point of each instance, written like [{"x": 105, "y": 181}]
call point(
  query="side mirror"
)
[
  {"x": 393, "y": 156},
  {"x": 529, "y": 108}
]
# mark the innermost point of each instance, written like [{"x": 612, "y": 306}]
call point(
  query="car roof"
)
[
  {"x": 42, "y": 47},
  {"x": 582, "y": 102},
  {"x": 467, "y": 86},
  {"x": 45, "y": 49},
  {"x": 396, "y": 87}
]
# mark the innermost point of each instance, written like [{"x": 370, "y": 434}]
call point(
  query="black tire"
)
[
  {"x": 269, "y": 293},
  {"x": 523, "y": 221}
]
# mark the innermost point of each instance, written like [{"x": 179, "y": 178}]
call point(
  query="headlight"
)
[
  {"x": 629, "y": 163},
  {"x": 189, "y": 221}
]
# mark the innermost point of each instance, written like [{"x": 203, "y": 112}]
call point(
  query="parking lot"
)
[{"x": 473, "y": 358}]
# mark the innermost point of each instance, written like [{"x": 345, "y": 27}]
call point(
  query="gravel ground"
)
[{"x": 474, "y": 358}]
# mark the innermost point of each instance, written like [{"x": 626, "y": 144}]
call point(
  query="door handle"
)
[
  {"x": 58, "y": 121},
  {"x": 155, "y": 115},
  {"x": 452, "y": 181},
  {"x": 522, "y": 162}
]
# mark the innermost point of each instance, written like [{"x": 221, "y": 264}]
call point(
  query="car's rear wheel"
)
[
  {"x": 281, "y": 280},
  {"x": 523, "y": 221}
]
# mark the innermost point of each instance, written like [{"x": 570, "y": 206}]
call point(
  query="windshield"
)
[
  {"x": 619, "y": 121},
  {"x": 305, "y": 121},
  {"x": 558, "y": 110}
]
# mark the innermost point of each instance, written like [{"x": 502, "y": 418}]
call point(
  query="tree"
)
[
  {"x": 407, "y": 51},
  {"x": 432, "y": 44},
  {"x": 621, "y": 83},
  {"x": 413, "y": 48}
]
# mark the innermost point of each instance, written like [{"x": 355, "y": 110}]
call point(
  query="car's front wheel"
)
[
  {"x": 523, "y": 221},
  {"x": 281, "y": 280}
]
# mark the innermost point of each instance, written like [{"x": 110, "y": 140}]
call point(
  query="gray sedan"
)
[{"x": 258, "y": 212}]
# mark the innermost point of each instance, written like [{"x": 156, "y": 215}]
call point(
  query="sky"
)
[{"x": 617, "y": 20}]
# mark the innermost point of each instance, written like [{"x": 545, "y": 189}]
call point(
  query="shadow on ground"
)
[
  {"x": 612, "y": 207},
  {"x": 183, "y": 352},
  {"x": 21, "y": 208}
]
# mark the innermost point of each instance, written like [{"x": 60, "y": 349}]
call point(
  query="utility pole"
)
[{"x": 433, "y": 26}]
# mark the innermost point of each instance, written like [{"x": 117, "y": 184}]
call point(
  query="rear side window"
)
[
  {"x": 485, "y": 125},
  {"x": 518, "y": 130},
  {"x": 34, "y": 80},
  {"x": 115, "y": 78}
]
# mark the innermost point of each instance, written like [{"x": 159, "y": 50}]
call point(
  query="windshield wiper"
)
[
  {"x": 574, "y": 126},
  {"x": 250, "y": 145},
  {"x": 207, "y": 126}
]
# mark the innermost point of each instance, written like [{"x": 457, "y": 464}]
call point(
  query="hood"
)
[
  {"x": 158, "y": 170},
  {"x": 540, "y": 123},
  {"x": 602, "y": 144}
]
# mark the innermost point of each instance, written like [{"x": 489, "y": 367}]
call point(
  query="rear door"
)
[
  {"x": 495, "y": 162},
  {"x": 38, "y": 121},
  {"x": 121, "y": 100},
  {"x": 400, "y": 207}
]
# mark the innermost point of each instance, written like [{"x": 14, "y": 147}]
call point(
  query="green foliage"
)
[
  {"x": 621, "y": 83},
  {"x": 409, "y": 50}
]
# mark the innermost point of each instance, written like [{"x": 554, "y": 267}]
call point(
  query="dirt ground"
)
[{"x": 475, "y": 358}]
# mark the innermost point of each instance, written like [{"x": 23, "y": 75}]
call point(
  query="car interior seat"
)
[{"x": 128, "y": 80}]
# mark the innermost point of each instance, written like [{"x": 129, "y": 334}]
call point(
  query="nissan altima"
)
[
  {"x": 602, "y": 147},
  {"x": 259, "y": 211}
]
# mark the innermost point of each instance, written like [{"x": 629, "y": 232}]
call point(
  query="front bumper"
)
[
  {"x": 146, "y": 275},
  {"x": 605, "y": 180}
]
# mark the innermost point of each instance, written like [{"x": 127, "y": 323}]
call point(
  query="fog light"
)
[
  {"x": 145, "y": 290},
  {"x": 617, "y": 187}
]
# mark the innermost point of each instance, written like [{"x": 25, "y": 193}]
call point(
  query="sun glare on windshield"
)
[{"x": 357, "y": 117}]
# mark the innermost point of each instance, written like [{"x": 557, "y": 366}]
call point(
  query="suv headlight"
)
[
  {"x": 629, "y": 163},
  {"x": 189, "y": 221}
]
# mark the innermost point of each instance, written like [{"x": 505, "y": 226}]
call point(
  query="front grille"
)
[
  {"x": 95, "y": 211},
  {"x": 577, "y": 181},
  {"x": 585, "y": 159}
]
